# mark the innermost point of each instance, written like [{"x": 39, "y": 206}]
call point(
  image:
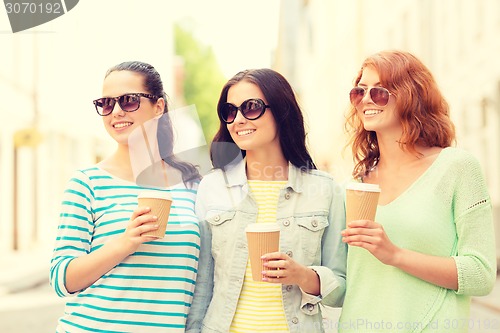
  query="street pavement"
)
[
  {"x": 32, "y": 311},
  {"x": 29, "y": 305},
  {"x": 27, "y": 302}
]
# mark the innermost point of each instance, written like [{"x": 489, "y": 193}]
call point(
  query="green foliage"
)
[{"x": 203, "y": 79}]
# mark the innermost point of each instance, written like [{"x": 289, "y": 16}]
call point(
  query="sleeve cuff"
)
[
  {"x": 60, "y": 280},
  {"x": 309, "y": 303}
]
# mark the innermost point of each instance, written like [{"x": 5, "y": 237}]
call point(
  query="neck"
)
[
  {"x": 392, "y": 154},
  {"x": 118, "y": 164},
  {"x": 266, "y": 166}
]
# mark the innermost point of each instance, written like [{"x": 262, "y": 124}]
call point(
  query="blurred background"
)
[{"x": 50, "y": 74}]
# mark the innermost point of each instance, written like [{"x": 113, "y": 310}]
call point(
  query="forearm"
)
[
  {"x": 441, "y": 271},
  {"x": 83, "y": 271},
  {"x": 310, "y": 283}
]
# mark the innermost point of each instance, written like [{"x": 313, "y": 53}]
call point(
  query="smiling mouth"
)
[
  {"x": 245, "y": 132},
  {"x": 372, "y": 112},
  {"x": 121, "y": 125}
]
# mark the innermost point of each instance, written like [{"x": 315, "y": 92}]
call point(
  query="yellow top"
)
[{"x": 260, "y": 306}]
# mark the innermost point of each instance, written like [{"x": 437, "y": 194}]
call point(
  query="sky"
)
[
  {"x": 75, "y": 50},
  {"x": 243, "y": 34},
  {"x": 229, "y": 26}
]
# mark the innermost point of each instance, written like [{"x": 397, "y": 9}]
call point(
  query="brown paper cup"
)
[
  {"x": 361, "y": 201},
  {"x": 160, "y": 203},
  {"x": 262, "y": 238}
]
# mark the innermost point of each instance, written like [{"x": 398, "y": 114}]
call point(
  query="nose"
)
[
  {"x": 366, "y": 98},
  {"x": 239, "y": 117},
  {"x": 117, "y": 110}
]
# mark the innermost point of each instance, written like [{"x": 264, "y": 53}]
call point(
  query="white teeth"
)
[
  {"x": 372, "y": 112},
  {"x": 246, "y": 132},
  {"x": 121, "y": 125}
]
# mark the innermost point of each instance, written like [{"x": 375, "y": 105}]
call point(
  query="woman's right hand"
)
[
  {"x": 372, "y": 237},
  {"x": 134, "y": 233}
]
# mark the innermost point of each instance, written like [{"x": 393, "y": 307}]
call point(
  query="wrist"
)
[
  {"x": 397, "y": 258},
  {"x": 118, "y": 247},
  {"x": 310, "y": 282}
]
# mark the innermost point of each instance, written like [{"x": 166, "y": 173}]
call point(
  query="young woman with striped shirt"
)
[{"x": 121, "y": 280}]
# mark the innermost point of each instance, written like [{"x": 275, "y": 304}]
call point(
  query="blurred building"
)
[
  {"x": 323, "y": 42},
  {"x": 48, "y": 79}
]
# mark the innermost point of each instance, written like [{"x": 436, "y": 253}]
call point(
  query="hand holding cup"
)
[{"x": 160, "y": 203}]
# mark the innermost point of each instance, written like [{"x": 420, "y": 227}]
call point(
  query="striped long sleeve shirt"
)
[{"x": 151, "y": 290}]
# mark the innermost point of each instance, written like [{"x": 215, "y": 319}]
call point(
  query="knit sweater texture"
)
[{"x": 445, "y": 212}]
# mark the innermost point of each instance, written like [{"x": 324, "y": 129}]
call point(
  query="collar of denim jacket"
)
[
  {"x": 235, "y": 175},
  {"x": 295, "y": 178}
]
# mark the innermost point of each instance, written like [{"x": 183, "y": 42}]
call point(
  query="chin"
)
[
  {"x": 244, "y": 146},
  {"x": 369, "y": 128}
]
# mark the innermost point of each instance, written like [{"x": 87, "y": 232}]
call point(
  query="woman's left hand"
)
[{"x": 372, "y": 237}]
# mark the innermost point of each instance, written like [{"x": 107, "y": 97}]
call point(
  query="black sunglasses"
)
[
  {"x": 251, "y": 109},
  {"x": 128, "y": 103},
  {"x": 380, "y": 96}
]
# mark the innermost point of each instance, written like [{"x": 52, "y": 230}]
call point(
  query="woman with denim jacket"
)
[{"x": 264, "y": 173}]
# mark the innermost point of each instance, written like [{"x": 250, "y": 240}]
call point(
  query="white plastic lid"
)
[
  {"x": 363, "y": 187},
  {"x": 155, "y": 195},
  {"x": 262, "y": 227}
]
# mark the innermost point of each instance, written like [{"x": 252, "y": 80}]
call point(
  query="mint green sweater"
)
[{"x": 445, "y": 212}]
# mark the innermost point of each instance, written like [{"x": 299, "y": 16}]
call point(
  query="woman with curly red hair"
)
[{"x": 432, "y": 245}]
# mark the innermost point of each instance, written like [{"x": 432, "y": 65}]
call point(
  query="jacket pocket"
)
[
  {"x": 311, "y": 229},
  {"x": 219, "y": 223}
]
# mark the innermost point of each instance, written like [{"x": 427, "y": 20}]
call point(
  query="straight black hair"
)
[
  {"x": 286, "y": 111},
  {"x": 165, "y": 135}
]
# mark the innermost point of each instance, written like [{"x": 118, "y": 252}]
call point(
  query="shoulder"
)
[
  {"x": 87, "y": 175},
  {"x": 458, "y": 153},
  {"x": 459, "y": 159},
  {"x": 319, "y": 176},
  {"x": 213, "y": 176},
  {"x": 460, "y": 170},
  {"x": 213, "y": 179},
  {"x": 91, "y": 177},
  {"x": 321, "y": 180}
]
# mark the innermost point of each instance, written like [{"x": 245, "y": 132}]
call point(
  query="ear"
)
[{"x": 159, "y": 106}]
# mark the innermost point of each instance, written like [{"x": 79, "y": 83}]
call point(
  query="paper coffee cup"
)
[
  {"x": 262, "y": 238},
  {"x": 160, "y": 203},
  {"x": 361, "y": 201}
]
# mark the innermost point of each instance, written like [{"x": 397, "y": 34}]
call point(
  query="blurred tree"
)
[{"x": 203, "y": 79}]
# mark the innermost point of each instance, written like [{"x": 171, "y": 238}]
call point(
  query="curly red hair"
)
[{"x": 418, "y": 101}]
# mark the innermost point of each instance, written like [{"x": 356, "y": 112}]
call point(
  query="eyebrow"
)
[{"x": 377, "y": 84}]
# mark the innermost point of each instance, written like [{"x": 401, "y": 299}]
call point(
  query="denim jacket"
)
[{"x": 311, "y": 215}]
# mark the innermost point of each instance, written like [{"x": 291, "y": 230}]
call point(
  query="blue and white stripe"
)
[{"x": 151, "y": 290}]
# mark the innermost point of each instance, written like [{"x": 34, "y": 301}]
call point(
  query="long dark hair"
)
[
  {"x": 418, "y": 100},
  {"x": 165, "y": 135},
  {"x": 286, "y": 111}
]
